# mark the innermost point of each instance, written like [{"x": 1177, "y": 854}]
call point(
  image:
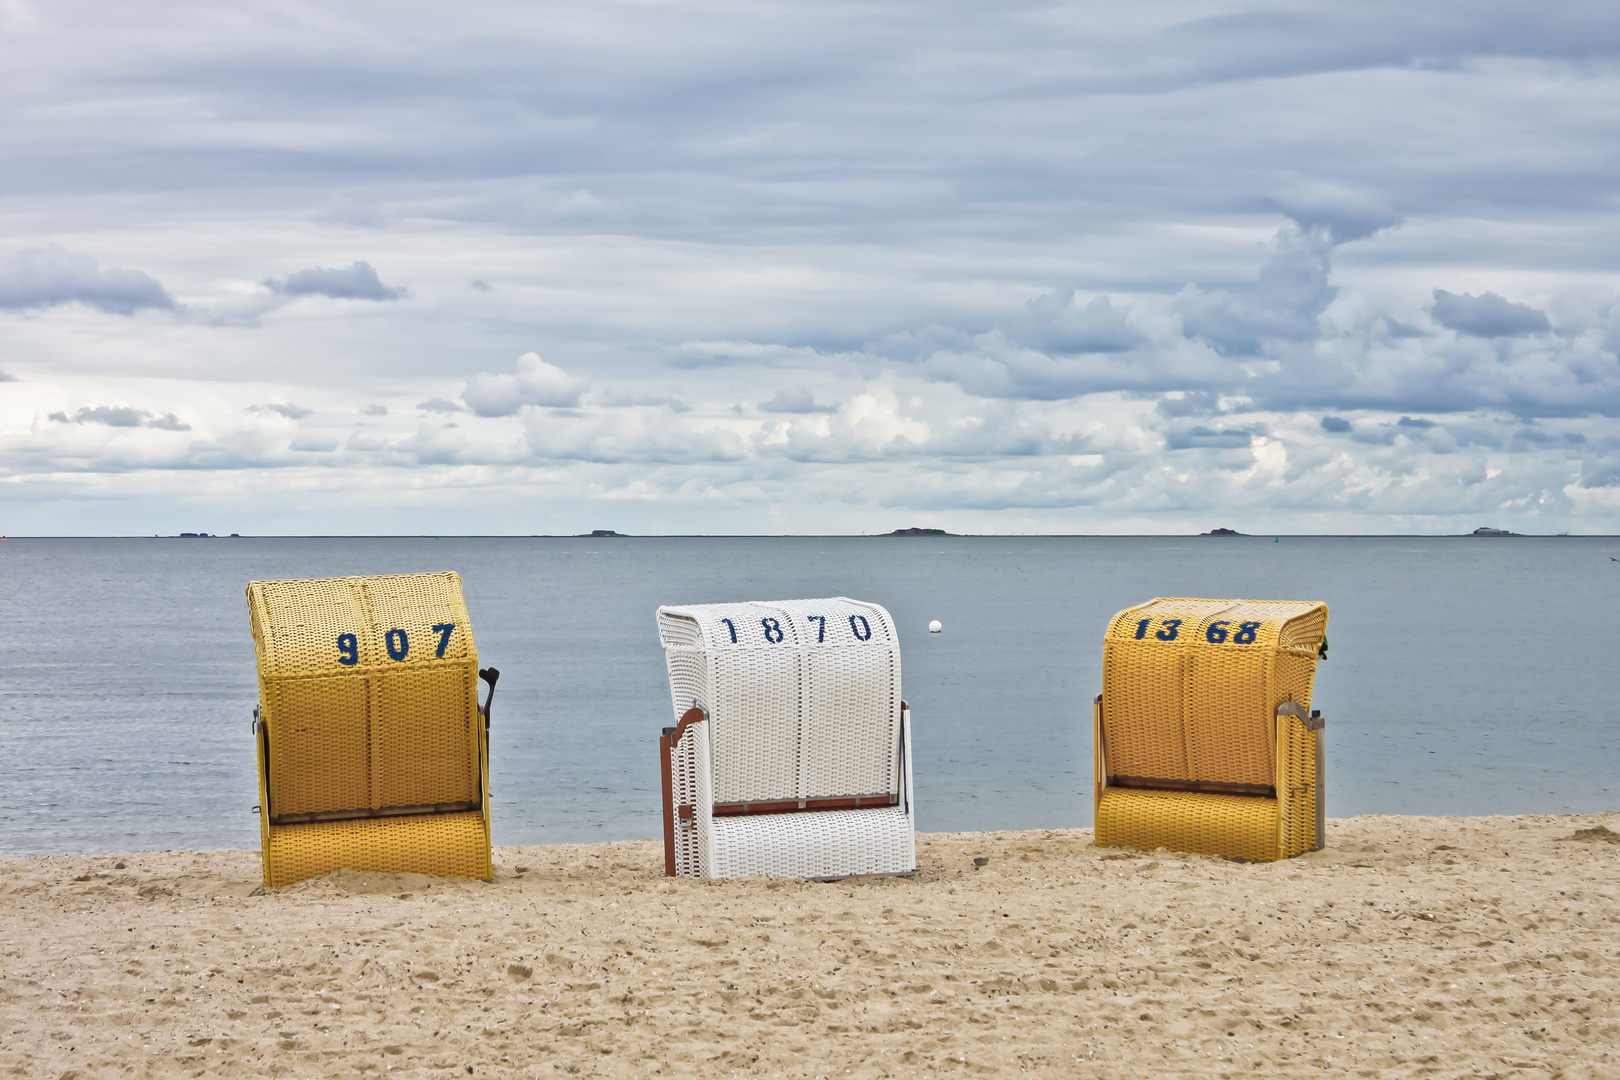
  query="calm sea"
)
[{"x": 1466, "y": 676}]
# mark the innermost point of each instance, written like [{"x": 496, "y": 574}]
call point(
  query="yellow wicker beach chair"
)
[
  {"x": 1204, "y": 736},
  {"x": 373, "y": 749}
]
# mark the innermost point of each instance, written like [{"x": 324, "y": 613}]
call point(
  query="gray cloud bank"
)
[
  {"x": 1487, "y": 316},
  {"x": 121, "y": 416},
  {"x": 46, "y": 277},
  {"x": 796, "y": 399},
  {"x": 291, "y": 412},
  {"x": 356, "y": 282}
]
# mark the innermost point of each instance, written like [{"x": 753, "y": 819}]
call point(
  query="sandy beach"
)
[{"x": 1409, "y": 947}]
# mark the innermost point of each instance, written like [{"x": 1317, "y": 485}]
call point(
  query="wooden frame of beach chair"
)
[
  {"x": 791, "y": 754},
  {"x": 373, "y": 749},
  {"x": 1204, "y": 739}
]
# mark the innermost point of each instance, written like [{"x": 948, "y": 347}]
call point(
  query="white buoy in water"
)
[{"x": 934, "y": 627}]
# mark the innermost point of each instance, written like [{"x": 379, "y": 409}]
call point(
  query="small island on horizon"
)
[{"x": 919, "y": 532}]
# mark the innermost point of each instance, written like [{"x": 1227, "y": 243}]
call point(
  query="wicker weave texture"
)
[
  {"x": 1195, "y": 708},
  {"x": 296, "y": 622},
  {"x": 692, "y": 790},
  {"x": 857, "y": 841},
  {"x": 831, "y": 843},
  {"x": 1190, "y": 694},
  {"x": 368, "y": 694},
  {"x": 1296, "y": 787},
  {"x": 449, "y": 845},
  {"x": 322, "y": 748},
  {"x": 803, "y": 702},
  {"x": 1236, "y": 826}
]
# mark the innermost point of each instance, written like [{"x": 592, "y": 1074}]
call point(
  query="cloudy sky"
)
[{"x": 673, "y": 267}]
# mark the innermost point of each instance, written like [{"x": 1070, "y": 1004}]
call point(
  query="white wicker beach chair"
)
[{"x": 791, "y": 755}]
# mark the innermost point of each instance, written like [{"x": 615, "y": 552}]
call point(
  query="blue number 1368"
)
[{"x": 1216, "y": 633}]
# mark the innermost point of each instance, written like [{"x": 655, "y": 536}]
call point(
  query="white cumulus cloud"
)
[{"x": 535, "y": 382}]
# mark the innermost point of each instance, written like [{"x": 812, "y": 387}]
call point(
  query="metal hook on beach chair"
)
[{"x": 491, "y": 676}]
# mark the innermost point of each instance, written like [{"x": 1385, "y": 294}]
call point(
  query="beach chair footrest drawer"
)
[
  {"x": 815, "y": 844},
  {"x": 446, "y": 845},
  {"x": 1234, "y": 826}
]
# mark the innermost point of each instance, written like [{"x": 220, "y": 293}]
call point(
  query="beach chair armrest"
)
[
  {"x": 695, "y": 715},
  {"x": 1313, "y": 720},
  {"x": 668, "y": 740}
]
